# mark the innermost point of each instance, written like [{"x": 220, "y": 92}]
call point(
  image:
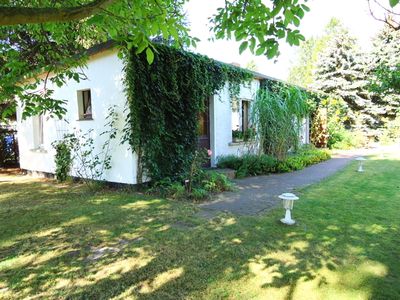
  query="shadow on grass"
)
[{"x": 344, "y": 245}]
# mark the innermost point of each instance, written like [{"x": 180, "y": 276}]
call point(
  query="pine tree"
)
[
  {"x": 342, "y": 71},
  {"x": 385, "y": 62}
]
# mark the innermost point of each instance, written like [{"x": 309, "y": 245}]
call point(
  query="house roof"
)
[{"x": 111, "y": 44}]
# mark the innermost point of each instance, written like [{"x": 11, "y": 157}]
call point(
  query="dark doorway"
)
[
  {"x": 204, "y": 129},
  {"x": 8, "y": 147}
]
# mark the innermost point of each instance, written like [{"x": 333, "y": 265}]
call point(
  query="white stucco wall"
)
[
  {"x": 104, "y": 73},
  {"x": 221, "y": 121},
  {"x": 105, "y": 80}
]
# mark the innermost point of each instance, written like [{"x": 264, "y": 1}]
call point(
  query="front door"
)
[{"x": 204, "y": 128}]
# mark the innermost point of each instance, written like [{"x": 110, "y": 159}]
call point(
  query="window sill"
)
[
  {"x": 240, "y": 143},
  {"x": 232, "y": 144},
  {"x": 87, "y": 119},
  {"x": 39, "y": 149}
]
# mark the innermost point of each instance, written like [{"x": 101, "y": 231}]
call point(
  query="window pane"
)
[
  {"x": 87, "y": 103},
  {"x": 245, "y": 115}
]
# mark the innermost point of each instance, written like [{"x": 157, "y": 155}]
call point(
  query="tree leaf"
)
[
  {"x": 260, "y": 51},
  {"x": 393, "y": 3},
  {"x": 149, "y": 55},
  {"x": 243, "y": 47}
]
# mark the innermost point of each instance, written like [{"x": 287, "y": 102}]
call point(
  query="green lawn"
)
[{"x": 344, "y": 246}]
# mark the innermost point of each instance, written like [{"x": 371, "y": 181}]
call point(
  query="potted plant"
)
[{"x": 237, "y": 136}]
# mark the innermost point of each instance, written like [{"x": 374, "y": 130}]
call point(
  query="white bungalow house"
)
[{"x": 87, "y": 106}]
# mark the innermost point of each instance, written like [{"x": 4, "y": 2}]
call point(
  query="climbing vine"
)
[{"x": 164, "y": 102}]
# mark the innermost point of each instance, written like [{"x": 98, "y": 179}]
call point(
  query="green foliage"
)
[
  {"x": 77, "y": 151},
  {"x": 253, "y": 165},
  {"x": 164, "y": 101},
  {"x": 344, "y": 72},
  {"x": 347, "y": 139},
  {"x": 386, "y": 80},
  {"x": 248, "y": 164},
  {"x": 58, "y": 48},
  {"x": 303, "y": 158},
  {"x": 237, "y": 135},
  {"x": 230, "y": 162},
  {"x": 62, "y": 159},
  {"x": 277, "y": 113},
  {"x": 302, "y": 72},
  {"x": 260, "y": 26},
  {"x": 201, "y": 186},
  {"x": 391, "y": 133}
]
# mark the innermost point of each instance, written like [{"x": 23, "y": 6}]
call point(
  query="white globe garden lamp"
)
[
  {"x": 360, "y": 163},
  {"x": 288, "y": 199}
]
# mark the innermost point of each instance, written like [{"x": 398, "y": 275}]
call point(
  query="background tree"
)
[
  {"x": 302, "y": 72},
  {"x": 49, "y": 37},
  {"x": 342, "y": 72},
  {"x": 386, "y": 67}
]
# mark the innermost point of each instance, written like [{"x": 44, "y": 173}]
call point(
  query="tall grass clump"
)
[{"x": 278, "y": 113}]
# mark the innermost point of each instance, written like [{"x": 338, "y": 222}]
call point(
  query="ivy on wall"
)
[{"x": 164, "y": 102}]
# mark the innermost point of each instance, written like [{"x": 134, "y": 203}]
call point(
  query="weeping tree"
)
[{"x": 278, "y": 114}]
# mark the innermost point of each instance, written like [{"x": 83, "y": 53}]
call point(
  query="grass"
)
[{"x": 58, "y": 241}]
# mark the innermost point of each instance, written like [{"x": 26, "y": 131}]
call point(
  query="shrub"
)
[
  {"x": 202, "y": 186},
  {"x": 347, "y": 139},
  {"x": 229, "y": 161},
  {"x": 248, "y": 164},
  {"x": 62, "y": 159},
  {"x": 199, "y": 194},
  {"x": 292, "y": 163},
  {"x": 215, "y": 182},
  {"x": 391, "y": 132},
  {"x": 252, "y": 165},
  {"x": 304, "y": 157}
]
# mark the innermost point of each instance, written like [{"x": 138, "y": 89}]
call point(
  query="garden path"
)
[{"x": 254, "y": 195}]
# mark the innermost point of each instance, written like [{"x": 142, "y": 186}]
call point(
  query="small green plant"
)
[
  {"x": 248, "y": 164},
  {"x": 200, "y": 157},
  {"x": 237, "y": 135},
  {"x": 229, "y": 162},
  {"x": 77, "y": 152},
  {"x": 203, "y": 185},
  {"x": 63, "y": 159},
  {"x": 306, "y": 156}
]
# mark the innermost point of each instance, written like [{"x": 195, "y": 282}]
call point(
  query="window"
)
[
  {"x": 85, "y": 105},
  {"x": 38, "y": 131},
  {"x": 240, "y": 120}
]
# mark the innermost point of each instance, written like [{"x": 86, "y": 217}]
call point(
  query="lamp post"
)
[
  {"x": 288, "y": 199},
  {"x": 360, "y": 163}
]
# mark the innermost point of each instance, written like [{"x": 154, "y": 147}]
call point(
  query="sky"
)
[{"x": 354, "y": 14}]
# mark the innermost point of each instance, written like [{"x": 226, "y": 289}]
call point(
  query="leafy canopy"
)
[{"x": 49, "y": 37}]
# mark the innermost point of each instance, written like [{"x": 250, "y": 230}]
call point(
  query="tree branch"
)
[{"x": 35, "y": 15}]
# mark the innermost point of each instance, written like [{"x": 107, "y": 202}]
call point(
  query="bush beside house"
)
[{"x": 253, "y": 165}]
